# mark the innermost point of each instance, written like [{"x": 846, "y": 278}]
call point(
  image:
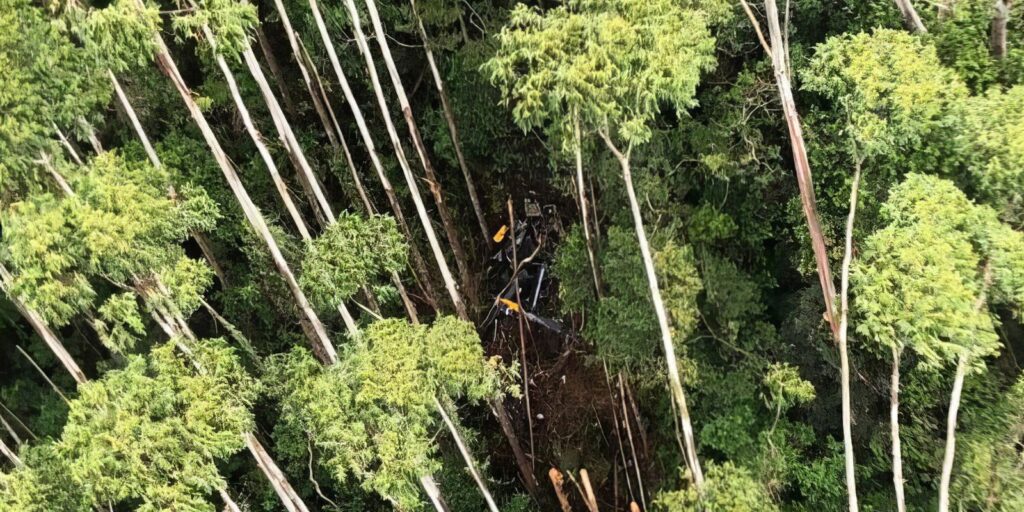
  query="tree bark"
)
[
  {"x": 910, "y": 17},
  {"x": 229, "y": 502},
  {"x": 284, "y": 490},
  {"x": 201, "y": 240},
  {"x": 287, "y": 136},
  {"x": 257, "y": 139},
  {"x": 428, "y": 226},
  {"x": 433, "y": 182},
  {"x": 803, "y": 168},
  {"x": 894, "y": 429},
  {"x": 466, "y": 456},
  {"x": 581, "y": 186},
  {"x": 997, "y": 41},
  {"x": 525, "y": 469},
  {"x": 954, "y": 400},
  {"x": 9, "y": 453},
  {"x": 950, "y": 453},
  {"x": 675, "y": 381},
  {"x": 449, "y": 117},
  {"x": 42, "y": 329},
  {"x": 312, "y": 325},
  {"x": 844, "y": 360},
  {"x": 417, "y": 259},
  {"x": 275, "y": 70},
  {"x": 434, "y": 493}
]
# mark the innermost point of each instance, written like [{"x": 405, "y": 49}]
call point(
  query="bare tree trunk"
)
[
  {"x": 42, "y": 329},
  {"x": 9, "y": 453},
  {"x": 910, "y": 17},
  {"x": 134, "y": 119},
  {"x": 449, "y": 116},
  {"x": 275, "y": 70},
  {"x": 229, "y": 502},
  {"x": 334, "y": 133},
  {"x": 261, "y": 147},
  {"x": 466, "y": 456},
  {"x": 314, "y": 329},
  {"x": 417, "y": 260},
  {"x": 67, "y": 145},
  {"x": 591, "y": 253},
  {"x": 803, "y": 167},
  {"x": 997, "y": 41},
  {"x": 950, "y": 453},
  {"x": 433, "y": 182},
  {"x": 434, "y": 493},
  {"x": 90, "y": 132},
  {"x": 557, "y": 481},
  {"x": 894, "y": 429},
  {"x": 287, "y": 136},
  {"x": 525, "y": 469},
  {"x": 675, "y": 381},
  {"x": 428, "y": 226},
  {"x": 297, "y": 54},
  {"x": 844, "y": 361},
  {"x": 954, "y": 400},
  {"x": 284, "y": 490}
]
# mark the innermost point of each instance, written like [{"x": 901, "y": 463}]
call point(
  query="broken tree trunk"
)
[{"x": 803, "y": 168}]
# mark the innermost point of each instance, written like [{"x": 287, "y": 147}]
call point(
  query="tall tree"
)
[
  {"x": 625, "y": 57},
  {"x": 891, "y": 91}
]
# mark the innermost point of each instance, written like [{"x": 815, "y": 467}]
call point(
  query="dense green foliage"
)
[{"x": 164, "y": 321}]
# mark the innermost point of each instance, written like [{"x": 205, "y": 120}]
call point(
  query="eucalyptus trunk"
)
[
  {"x": 201, "y": 240},
  {"x": 588, "y": 239},
  {"x": 42, "y": 329},
  {"x": 287, "y": 136},
  {"x": 433, "y": 182},
  {"x": 951, "y": 420},
  {"x": 322, "y": 106},
  {"x": 275, "y": 70},
  {"x": 403, "y": 162},
  {"x": 418, "y": 263},
  {"x": 291, "y": 500},
  {"x": 844, "y": 360},
  {"x": 434, "y": 493},
  {"x": 674, "y": 379},
  {"x": 803, "y": 168},
  {"x": 261, "y": 147},
  {"x": 312, "y": 325},
  {"x": 894, "y": 431},
  {"x": 910, "y": 17},
  {"x": 449, "y": 117},
  {"x": 954, "y": 400},
  {"x": 466, "y": 456},
  {"x": 997, "y": 39}
]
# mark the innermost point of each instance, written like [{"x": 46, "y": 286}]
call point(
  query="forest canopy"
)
[{"x": 576, "y": 255}]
